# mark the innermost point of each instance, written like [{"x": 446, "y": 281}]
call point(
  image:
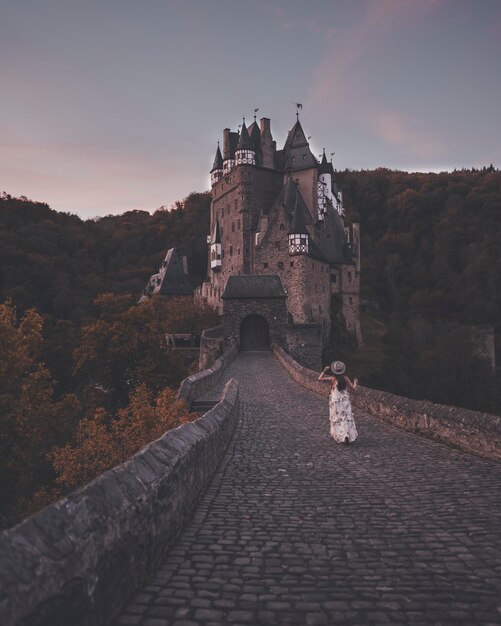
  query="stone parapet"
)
[
  {"x": 211, "y": 345},
  {"x": 472, "y": 431},
  {"x": 197, "y": 384},
  {"x": 77, "y": 561}
]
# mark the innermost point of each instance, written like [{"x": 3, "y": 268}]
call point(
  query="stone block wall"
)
[
  {"x": 472, "y": 431},
  {"x": 304, "y": 344},
  {"x": 76, "y": 562},
  {"x": 197, "y": 384},
  {"x": 272, "y": 309}
]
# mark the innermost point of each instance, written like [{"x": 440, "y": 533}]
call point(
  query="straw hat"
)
[{"x": 338, "y": 367}]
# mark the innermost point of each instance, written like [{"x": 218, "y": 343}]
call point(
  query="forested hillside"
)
[
  {"x": 431, "y": 268},
  {"x": 431, "y": 243},
  {"x": 83, "y": 375}
]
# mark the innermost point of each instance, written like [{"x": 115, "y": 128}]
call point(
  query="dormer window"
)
[{"x": 298, "y": 243}]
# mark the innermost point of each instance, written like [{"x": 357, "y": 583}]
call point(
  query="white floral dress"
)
[{"x": 341, "y": 419}]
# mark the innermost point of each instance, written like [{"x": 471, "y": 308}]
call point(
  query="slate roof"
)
[
  {"x": 174, "y": 281},
  {"x": 298, "y": 223},
  {"x": 325, "y": 167},
  {"x": 216, "y": 233},
  {"x": 244, "y": 141},
  {"x": 332, "y": 240},
  {"x": 296, "y": 153},
  {"x": 254, "y": 286},
  {"x": 218, "y": 160}
]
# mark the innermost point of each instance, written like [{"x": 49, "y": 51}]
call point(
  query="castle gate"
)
[{"x": 254, "y": 333}]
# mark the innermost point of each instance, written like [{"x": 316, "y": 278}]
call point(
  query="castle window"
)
[
  {"x": 349, "y": 276},
  {"x": 233, "y": 227},
  {"x": 333, "y": 278},
  {"x": 238, "y": 224},
  {"x": 222, "y": 212},
  {"x": 222, "y": 253},
  {"x": 320, "y": 309},
  {"x": 236, "y": 204},
  {"x": 277, "y": 245},
  {"x": 238, "y": 251},
  {"x": 280, "y": 265},
  {"x": 281, "y": 226},
  {"x": 350, "y": 300},
  {"x": 231, "y": 250},
  {"x": 265, "y": 265},
  {"x": 291, "y": 264}
]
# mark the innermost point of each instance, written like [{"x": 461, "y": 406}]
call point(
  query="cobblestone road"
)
[{"x": 297, "y": 529}]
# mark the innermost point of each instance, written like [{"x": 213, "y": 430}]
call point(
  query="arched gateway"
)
[{"x": 254, "y": 333}]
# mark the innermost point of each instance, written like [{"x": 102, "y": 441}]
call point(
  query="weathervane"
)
[
  {"x": 255, "y": 111},
  {"x": 298, "y": 106}
]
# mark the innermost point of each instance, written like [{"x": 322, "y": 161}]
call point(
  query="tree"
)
[
  {"x": 103, "y": 441},
  {"x": 32, "y": 421}
]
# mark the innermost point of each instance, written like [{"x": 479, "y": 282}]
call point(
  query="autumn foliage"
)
[{"x": 104, "y": 441}]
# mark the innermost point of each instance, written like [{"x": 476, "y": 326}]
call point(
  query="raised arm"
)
[{"x": 323, "y": 376}]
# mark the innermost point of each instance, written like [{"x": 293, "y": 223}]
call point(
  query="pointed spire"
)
[
  {"x": 218, "y": 160},
  {"x": 325, "y": 167},
  {"x": 244, "y": 142},
  {"x": 216, "y": 235},
  {"x": 298, "y": 225}
]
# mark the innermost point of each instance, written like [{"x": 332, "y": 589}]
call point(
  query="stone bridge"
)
[{"x": 296, "y": 529}]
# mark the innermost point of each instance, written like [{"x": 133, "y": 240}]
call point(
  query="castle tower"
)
[
  {"x": 278, "y": 213},
  {"x": 216, "y": 172}
]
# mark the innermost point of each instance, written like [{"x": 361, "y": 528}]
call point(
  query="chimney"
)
[
  {"x": 226, "y": 144},
  {"x": 267, "y": 142}
]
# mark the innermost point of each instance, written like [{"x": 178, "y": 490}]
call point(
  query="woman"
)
[{"x": 343, "y": 427}]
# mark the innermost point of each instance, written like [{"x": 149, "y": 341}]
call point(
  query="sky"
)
[{"x": 114, "y": 105}]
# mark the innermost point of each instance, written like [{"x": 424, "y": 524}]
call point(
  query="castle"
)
[
  {"x": 281, "y": 259},
  {"x": 280, "y": 213}
]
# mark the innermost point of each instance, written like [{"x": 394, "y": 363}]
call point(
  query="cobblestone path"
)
[{"x": 297, "y": 529}]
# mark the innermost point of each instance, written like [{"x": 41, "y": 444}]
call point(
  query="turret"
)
[
  {"x": 298, "y": 233},
  {"x": 324, "y": 187},
  {"x": 217, "y": 168},
  {"x": 245, "y": 153},
  {"x": 215, "y": 249}
]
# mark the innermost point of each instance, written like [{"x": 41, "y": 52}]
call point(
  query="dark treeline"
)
[
  {"x": 431, "y": 269},
  {"x": 431, "y": 243},
  {"x": 85, "y": 377},
  {"x": 59, "y": 263}
]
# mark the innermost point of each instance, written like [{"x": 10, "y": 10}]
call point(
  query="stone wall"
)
[
  {"x": 472, "y": 431},
  {"x": 211, "y": 347},
  {"x": 304, "y": 344},
  {"x": 77, "y": 561},
  {"x": 272, "y": 309},
  {"x": 197, "y": 384}
]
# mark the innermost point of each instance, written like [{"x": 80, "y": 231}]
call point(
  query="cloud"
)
[
  {"x": 398, "y": 129},
  {"x": 280, "y": 15},
  {"x": 346, "y": 50}
]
